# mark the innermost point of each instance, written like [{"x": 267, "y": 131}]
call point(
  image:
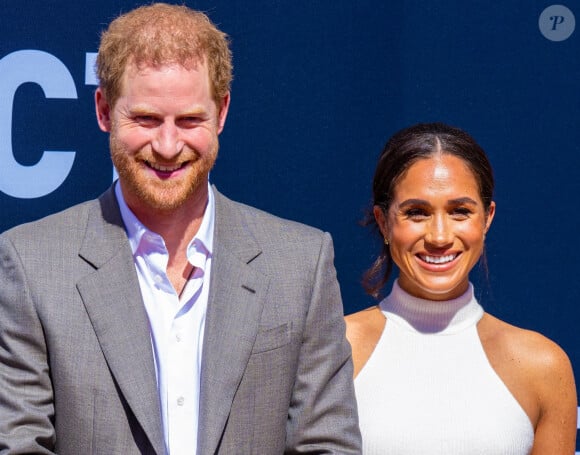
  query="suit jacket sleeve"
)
[
  {"x": 26, "y": 397},
  {"x": 323, "y": 414}
]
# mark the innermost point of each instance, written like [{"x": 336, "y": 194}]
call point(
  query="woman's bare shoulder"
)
[
  {"x": 363, "y": 331},
  {"x": 363, "y": 317},
  {"x": 527, "y": 346},
  {"x": 364, "y": 322},
  {"x": 539, "y": 374}
]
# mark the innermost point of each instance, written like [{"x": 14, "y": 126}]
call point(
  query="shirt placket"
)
[{"x": 182, "y": 374}]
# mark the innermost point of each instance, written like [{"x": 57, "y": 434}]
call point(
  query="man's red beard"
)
[{"x": 164, "y": 195}]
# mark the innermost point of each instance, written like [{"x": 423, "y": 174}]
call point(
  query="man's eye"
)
[
  {"x": 145, "y": 120},
  {"x": 189, "y": 121}
]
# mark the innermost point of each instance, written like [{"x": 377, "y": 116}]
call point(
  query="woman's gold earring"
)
[{"x": 386, "y": 241}]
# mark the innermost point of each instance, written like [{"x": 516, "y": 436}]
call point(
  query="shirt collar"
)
[{"x": 201, "y": 243}]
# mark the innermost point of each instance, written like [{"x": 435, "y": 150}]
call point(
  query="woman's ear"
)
[
  {"x": 490, "y": 215},
  {"x": 382, "y": 221}
]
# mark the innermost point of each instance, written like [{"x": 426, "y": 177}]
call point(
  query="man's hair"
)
[{"x": 161, "y": 34}]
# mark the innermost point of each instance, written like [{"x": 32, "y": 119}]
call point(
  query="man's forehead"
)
[
  {"x": 135, "y": 66},
  {"x": 146, "y": 69}
]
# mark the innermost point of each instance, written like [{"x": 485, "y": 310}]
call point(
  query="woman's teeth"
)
[{"x": 439, "y": 259}]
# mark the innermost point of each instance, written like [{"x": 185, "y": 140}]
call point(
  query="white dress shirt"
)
[{"x": 177, "y": 322}]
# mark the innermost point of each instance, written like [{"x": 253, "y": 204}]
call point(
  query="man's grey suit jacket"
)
[{"x": 76, "y": 364}]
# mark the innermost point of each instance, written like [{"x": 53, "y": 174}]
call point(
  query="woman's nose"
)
[{"x": 439, "y": 231}]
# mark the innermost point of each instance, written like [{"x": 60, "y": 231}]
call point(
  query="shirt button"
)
[
  {"x": 180, "y": 401},
  {"x": 178, "y": 337},
  {"x": 158, "y": 279}
]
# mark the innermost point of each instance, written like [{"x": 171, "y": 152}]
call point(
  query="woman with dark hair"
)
[{"x": 434, "y": 373}]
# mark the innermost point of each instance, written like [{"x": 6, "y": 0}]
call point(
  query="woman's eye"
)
[
  {"x": 461, "y": 212},
  {"x": 416, "y": 214}
]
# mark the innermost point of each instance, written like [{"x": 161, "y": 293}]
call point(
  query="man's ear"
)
[
  {"x": 223, "y": 107},
  {"x": 103, "y": 111}
]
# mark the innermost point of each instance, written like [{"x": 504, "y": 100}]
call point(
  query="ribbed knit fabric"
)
[{"x": 429, "y": 389}]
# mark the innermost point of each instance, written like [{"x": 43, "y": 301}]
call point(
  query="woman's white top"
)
[{"x": 429, "y": 389}]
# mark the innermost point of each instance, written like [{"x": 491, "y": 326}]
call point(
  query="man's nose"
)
[{"x": 167, "y": 141}]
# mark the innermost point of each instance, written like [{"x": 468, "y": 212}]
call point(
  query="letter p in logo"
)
[{"x": 556, "y": 20}]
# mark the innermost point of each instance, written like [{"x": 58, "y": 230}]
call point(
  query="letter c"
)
[{"x": 17, "y": 68}]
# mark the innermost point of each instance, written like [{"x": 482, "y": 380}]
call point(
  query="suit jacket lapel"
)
[
  {"x": 233, "y": 315},
  {"x": 112, "y": 298}
]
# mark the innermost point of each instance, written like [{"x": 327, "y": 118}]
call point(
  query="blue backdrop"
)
[{"x": 318, "y": 89}]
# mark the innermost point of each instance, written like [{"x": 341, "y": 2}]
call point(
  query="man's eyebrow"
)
[{"x": 145, "y": 109}]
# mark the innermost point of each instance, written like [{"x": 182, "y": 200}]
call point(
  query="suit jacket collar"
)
[
  {"x": 112, "y": 298},
  {"x": 235, "y": 305}
]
